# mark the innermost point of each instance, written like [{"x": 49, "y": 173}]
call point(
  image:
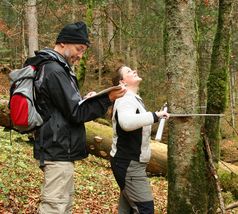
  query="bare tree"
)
[
  {"x": 218, "y": 87},
  {"x": 207, "y": 12},
  {"x": 110, "y": 28},
  {"x": 32, "y": 26},
  {"x": 98, "y": 26}
]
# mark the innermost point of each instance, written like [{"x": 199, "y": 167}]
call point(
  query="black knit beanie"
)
[{"x": 74, "y": 33}]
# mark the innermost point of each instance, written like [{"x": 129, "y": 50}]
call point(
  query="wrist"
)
[{"x": 156, "y": 118}]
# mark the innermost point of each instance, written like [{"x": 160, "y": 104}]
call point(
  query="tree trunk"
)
[
  {"x": 128, "y": 38},
  {"x": 110, "y": 28},
  {"x": 233, "y": 98},
  {"x": 218, "y": 87},
  {"x": 207, "y": 12},
  {"x": 81, "y": 69},
  {"x": 186, "y": 160},
  {"x": 98, "y": 25},
  {"x": 32, "y": 26},
  {"x": 74, "y": 6}
]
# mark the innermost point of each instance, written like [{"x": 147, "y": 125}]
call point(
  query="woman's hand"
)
[{"x": 162, "y": 114}]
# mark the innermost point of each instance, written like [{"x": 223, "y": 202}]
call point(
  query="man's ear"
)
[{"x": 62, "y": 45}]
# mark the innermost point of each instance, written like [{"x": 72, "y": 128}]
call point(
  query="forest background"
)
[{"x": 129, "y": 32}]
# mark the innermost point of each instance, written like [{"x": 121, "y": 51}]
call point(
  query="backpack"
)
[{"x": 24, "y": 113}]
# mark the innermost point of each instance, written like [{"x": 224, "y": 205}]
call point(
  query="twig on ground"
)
[
  {"x": 229, "y": 206},
  {"x": 214, "y": 173}
]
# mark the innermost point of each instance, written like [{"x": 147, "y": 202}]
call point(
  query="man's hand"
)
[
  {"x": 90, "y": 94},
  {"x": 113, "y": 95}
]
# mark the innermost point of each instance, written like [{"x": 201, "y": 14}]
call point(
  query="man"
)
[
  {"x": 62, "y": 138},
  {"x": 131, "y": 145}
]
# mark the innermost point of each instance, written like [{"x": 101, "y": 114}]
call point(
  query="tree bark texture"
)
[
  {"x": 110, "y": 28},
  {"x": 218, "y": 86},
  {"x": 32, "y": 26},
  {"x": 186, "y": 160},
  {"x": 206, "y": 13}
]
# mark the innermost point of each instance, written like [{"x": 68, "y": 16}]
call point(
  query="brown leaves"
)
[{"x": 96, "y": 191}]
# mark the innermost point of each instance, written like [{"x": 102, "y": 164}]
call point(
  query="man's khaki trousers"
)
[{"x": 58, "y": 188}]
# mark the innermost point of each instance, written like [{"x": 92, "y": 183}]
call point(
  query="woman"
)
[{"x": 131, "y": 149}]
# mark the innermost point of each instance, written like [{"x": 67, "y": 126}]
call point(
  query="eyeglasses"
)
[{"x": 81, "y": 49}]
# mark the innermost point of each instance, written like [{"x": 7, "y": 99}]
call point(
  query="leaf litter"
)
[{"x": 96, "y": 191}]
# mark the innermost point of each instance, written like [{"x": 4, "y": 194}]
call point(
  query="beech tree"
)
[
  {"x": 191, "y": 185},
  {"x": 186, "y": 160},
  {"x": 218, "y": 88}
]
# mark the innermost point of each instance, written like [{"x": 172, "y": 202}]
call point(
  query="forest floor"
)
[
  {"x": 96, "y": 191},
  {"x": 229, "y": 151}
]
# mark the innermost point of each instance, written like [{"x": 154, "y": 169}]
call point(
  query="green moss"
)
[
  {"x": 229, "y": 182},
  {"x": 81, "y": 71},
  {"x": 96, "y": 128},
  {"x": 228, "y": 197},
  {"x": 103, "y": 121},
  {"x": 217, "y": 91},
  {"x": 89, "y": 13},
  {"x": 191, "y": 195}
]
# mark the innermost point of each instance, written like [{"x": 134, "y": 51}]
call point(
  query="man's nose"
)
[{"x": 80, "y": 55}]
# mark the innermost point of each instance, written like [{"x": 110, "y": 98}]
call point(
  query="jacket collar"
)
[{"x": 55, "y": 56}]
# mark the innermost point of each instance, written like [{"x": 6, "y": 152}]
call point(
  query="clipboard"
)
[{"x": 104, "y": 91}]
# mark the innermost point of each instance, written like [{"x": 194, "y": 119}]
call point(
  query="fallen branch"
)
[
  {"x": 229, "y": 207},
  {"x": 214, "y": 173},
  {"x": 232, "y": 161}
]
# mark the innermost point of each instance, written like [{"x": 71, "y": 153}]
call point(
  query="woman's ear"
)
[{"x": 121, "y": 82}]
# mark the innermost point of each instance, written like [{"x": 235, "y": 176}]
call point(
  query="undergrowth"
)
[{"x": 95, "y": 188}]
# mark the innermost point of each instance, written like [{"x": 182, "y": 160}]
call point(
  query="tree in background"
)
[
  {"x": 234, "y": 68},
  {"x": 32, "y": 27},
  {"x": 218, "y": 88},
  {"x": 206, "y": 19}
]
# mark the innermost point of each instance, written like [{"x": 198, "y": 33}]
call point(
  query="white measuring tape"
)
[
  {"x": 162, "y": 121},
  {"x": 194, "y": 115}
]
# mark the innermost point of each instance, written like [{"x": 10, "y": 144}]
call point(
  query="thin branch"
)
[
  {"x": 229, "y": 207},
  {"x": 115, "y": 24},
  {"x": 214, "y": 173},
  {"x": 232, "y": 161},
  {"x": 231, "y": 126},
  {"x": 227, "y": 167}
]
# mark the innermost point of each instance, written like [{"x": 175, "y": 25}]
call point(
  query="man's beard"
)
[{"x": 67, "y": 56}]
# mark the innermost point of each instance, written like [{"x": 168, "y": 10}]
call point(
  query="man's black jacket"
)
[{"x": 63, "y": 136}]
